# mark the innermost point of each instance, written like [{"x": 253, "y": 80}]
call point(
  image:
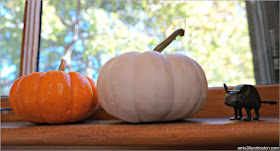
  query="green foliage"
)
[
  {"x": 87, "y": 33},
  {"x": 11, "y": 25}
]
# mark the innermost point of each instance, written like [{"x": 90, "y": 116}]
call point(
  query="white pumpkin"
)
[{"x": 148, "y": 87}]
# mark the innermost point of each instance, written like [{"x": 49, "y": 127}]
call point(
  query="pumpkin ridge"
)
[
  {"x": 91, "y": 103},
  {"x": 15, "y": 96},
  {"x": 198, "y": 73},
  {"x": 113, "y": 110},
  {"x": 71, "y": 113},
  {"x": 37, "y": 103},
  {"x": 72, "y": 116},
  {"x": 172, "y": 102},
  {"x": 110, "y": 88},
  {"x": 28, "y": 99},
  {"x": 134, "y": 90},
  {"x": 173, "y": 88},
  {"x": 100, "y": 84},
  {"x": 94, "y": 96},
  {"x": 83, "y": 78},
  {"x": 201, "y": 90},
  {"x": 165, "y": 58},
  {"x": 21, "y": 102}
]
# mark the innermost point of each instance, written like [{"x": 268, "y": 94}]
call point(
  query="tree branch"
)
[
  {"x": 68, "y": 46},
  {"x": 76, "y": 24},
  {"x": 64, "y": 22},
  {"x": 78, "y": 11}
]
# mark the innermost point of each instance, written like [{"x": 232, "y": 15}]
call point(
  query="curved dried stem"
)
[{"x": 169, "y": 39}]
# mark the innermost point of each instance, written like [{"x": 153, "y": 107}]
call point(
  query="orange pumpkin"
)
[{"x": 54, "y": 97}]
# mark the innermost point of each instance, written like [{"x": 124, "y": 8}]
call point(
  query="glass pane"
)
[
  {"x": 11, "y": 18},
  {"x": 89, "y": 33}
]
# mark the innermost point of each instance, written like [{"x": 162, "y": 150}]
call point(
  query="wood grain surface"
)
[
  {"x": 213, "y": 107},
  {"x": 194, "y": 133}
]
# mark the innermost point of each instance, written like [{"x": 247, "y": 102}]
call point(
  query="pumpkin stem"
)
[
  {"x": 62, "y": 66},
  {"x": 169, "y": 39}
]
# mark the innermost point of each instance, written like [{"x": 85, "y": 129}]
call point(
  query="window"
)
[
  {"x": 88, "y": 33},
  {"x": 12, "y": 14}
]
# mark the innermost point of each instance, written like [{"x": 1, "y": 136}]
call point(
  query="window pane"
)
[
  {"x": 12, "y": 13},
  {"x": 89, "y": 33}
]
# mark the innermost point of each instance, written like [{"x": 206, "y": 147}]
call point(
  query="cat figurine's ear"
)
[{"x": 226, "y": 88}]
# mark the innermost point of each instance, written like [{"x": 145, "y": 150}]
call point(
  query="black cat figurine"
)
[{"x": 245, "y": 96}]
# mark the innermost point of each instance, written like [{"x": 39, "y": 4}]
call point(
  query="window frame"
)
[
  {"x": 31, "y": 37},
  {"x": 263, "y": 32}
]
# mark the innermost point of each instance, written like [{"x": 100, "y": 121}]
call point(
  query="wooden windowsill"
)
[{"x": 193, "y": 133}]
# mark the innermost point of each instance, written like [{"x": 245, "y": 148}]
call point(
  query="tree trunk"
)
[
  {"x": 89, "y": 66},
  {"x": 76, "y": 36}
]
